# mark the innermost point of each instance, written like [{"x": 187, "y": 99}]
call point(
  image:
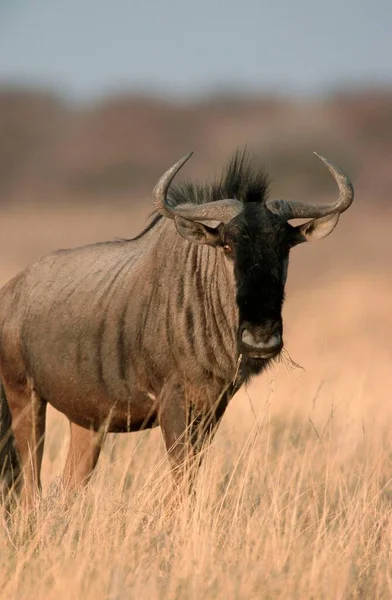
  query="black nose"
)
[{"x": 261, "y": 341}]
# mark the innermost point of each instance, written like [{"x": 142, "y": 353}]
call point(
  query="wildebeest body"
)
[
  {"x": 162, "y": 329},
  {"x": 96, "y": 323}
]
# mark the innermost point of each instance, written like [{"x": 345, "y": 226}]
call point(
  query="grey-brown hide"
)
[
  {"x": 112, "y": 327},
  {"x": 98, "y": 332},
  {"x": 125, "y": 335}
]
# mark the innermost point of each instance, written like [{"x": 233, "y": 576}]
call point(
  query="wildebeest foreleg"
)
[
  {"x": 84, "y": 450},
  {"x": 186, "y": 431}
]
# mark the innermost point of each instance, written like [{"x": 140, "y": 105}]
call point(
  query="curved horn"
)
[
  {"x": 160, "y": 190},
  {"x": 221, "y": 210},
  {"x": 299, "y": 210}
]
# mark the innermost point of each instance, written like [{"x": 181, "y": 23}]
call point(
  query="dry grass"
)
[{"x": 294, "y": 499}]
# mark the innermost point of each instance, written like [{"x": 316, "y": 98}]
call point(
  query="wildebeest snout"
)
[{"x": 261, "y": 341}]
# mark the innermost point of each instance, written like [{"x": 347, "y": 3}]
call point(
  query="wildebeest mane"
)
[{"x": 241, "y": 179}]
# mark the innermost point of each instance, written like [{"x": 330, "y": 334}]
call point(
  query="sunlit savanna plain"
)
[{"x": 294, "y": 498}]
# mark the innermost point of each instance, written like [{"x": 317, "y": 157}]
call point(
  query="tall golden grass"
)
[{"x": 294, "y": 497}]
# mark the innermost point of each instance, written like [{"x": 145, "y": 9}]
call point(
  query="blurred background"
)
[{"x": 98, "y": 98}]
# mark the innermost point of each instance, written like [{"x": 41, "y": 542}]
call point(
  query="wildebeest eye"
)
[{"x": 227, "y": 249}]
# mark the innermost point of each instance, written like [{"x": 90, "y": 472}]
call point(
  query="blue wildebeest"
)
[{"x": 128, "y": 334}]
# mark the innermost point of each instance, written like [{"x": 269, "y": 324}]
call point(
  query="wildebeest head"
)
[{"x": 256, "y": 237}]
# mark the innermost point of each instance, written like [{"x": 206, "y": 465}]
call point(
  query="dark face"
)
[{"x": 259, "y": 243}]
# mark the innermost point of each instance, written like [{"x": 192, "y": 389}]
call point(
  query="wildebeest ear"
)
[
  {"x": 315, "y": 229},
  {"x": 198, "y": 233}
]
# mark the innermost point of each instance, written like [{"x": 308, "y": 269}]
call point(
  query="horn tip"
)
[
  {"x": 183, "y": 160},
  {"x": 329, "y": 164},
  {"x": 325, "y": 160}
]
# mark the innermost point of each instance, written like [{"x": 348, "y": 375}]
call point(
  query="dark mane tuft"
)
[{"x": 241, "y": 180}]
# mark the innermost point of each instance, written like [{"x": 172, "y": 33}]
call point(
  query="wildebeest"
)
[{"x": 161, "y": 329}]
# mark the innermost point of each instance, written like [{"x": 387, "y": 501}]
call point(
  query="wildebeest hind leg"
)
[
  {"x": 84, "y": 450},
  {"x": 28, "y": 424}
]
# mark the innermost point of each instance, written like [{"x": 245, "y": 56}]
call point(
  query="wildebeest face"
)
[{"x": 258, "y": 242}]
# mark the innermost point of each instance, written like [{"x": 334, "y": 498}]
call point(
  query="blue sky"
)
[{"x": 86, "y": 48}]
